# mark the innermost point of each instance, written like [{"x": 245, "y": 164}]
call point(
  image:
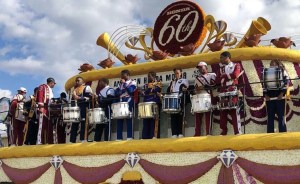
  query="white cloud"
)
[
  {"x": 5, "y": 93},
  {"x": 56, "y": 36},
  {"x": 5, "y": 50}
]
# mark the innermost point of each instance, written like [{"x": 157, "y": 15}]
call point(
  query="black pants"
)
[
  {"x": 176, "y": 123},
  {"x": 32, "y": 131},
  {"x": 276, "y": 107},
  {"x": 74, "y": 130},
  {"x": 99, "y": 130}
]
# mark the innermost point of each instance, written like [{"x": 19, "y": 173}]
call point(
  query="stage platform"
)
[{"x": 205, "y": 159}]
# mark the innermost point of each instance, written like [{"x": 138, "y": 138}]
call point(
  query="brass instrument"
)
[
  {"x": 259, "y": 26},
  {"x": 105, "y": 42},
  {"x": 154, "y": 84}
]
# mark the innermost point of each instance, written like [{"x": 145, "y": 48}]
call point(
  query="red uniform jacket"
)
[
  {"x": 228, "y": 76},
  {"x": 44, "y": 96}
]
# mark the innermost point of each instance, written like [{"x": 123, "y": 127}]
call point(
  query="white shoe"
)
[
  {"x": 12, "y": 145},
  {"x": 129, "y": 139},
  {"x": 180, "y": 136},
  {"x": 174, "y": 136},
  {"x": 83, "y": 141}
]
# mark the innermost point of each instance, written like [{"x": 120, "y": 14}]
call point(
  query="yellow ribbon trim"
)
[
  {"x": 237, "y": 54},
  {"x": 247, "y": 142}
]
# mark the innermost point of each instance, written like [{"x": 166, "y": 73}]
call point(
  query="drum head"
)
[{"x": 4, "y": 108}]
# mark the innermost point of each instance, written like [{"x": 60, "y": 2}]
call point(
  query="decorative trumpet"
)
[
  {"x": 259, "y": 26},
  {"x": 104, "y": 41}
]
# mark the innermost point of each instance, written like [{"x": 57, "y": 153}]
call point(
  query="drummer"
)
[
  {"x": 177, "y": 86},
  {"x": 151, "y": 93},
  {"x": 125, "y": 91},
  {"x": 82, "y": 94},
  {"x": 60, "y": 125},
  {"x": 203, "y": 82},
  {"x": 227, "y": 78},
  {"x": 17, "y": 117},
  {"x": 276, "y": 100},
  {"x": 105, "y": 99}
]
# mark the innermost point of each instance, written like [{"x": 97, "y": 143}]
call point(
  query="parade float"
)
[{"x": 181, "y": 37}]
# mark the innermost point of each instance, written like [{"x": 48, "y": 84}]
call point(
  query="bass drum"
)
[{"x": 4, "y": 109}]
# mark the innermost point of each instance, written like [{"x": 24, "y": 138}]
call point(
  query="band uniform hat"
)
[
  {"x": 50, "y": 79},
  {"x": 201, "y": 63},
  {"x": 23, "y": 89}
]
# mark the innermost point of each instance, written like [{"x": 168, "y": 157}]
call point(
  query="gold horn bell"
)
[
  {"x": 259, "y": 26},
  {"x": 105, "y": 42}
]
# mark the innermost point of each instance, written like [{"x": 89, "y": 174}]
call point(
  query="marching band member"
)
[
  {"x": 60, "y": 125},
  {"x": 105, "y": 99},
  {"x": 151, "y": 93},
  {"x": 17, "y": 118},
  {"x": 202, "y": 82},
  {"x": 125, "y": 91},
  {"x": 82, "y": 94},
  {"x": 44, "y": 96},
  {"x": 228, "y": 79},
  {"x": 276, "y": 100},
  {"x": 32, "y": 126},
  {"x": 178, "y": 86}
]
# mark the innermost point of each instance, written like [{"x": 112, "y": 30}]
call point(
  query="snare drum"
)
[
  {"x": 201, "y": 103},
  {"x": 147, "y": 110},
  {"x": 171, "y": 104},
  {"x": 97, "y": 116},
  {"x": 55, "y": 110},
  {"x": 71, "y": 114},
  {"x": 275, "y": 76},
  {"x": 228, "y": 100},
  {"x": 120, "y": 110}
]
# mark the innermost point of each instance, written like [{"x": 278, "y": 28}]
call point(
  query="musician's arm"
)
[
  {"x": 131, "y": 89},
  {"x": 235, "y": 74},
  {"x": 169, "y": 88},
  {"x": 13, "y": 107}
]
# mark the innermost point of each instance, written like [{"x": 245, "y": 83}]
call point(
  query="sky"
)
[{"x": 42, "y": 38}]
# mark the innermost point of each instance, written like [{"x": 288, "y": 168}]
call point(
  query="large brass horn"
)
[
  {"x": 259, "y": 26},
  {"x": 104, "y": 41}
]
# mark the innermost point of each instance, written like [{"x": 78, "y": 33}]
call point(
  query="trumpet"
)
[
  {"x": 154, "y": 84},
  {"x": 105, "y": 42},
  {"x": 259, "y": 26}
]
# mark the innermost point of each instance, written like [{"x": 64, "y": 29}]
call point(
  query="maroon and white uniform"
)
[
  {"x": 18, "y": 119},
  {"x": 207, "y": 79},
  {"x": 228, "y": 79},
  {"x": 45, "y": 132}
]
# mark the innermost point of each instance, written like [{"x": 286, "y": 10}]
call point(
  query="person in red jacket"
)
[
  {"x": 227, "y": 78},
  {"x": 17, "y": 117},
  {"x": 44, "y": 96}
]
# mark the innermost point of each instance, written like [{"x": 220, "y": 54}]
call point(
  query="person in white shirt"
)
[
  {"x": 178, "y": 86},
  {"x": 203, "y": 82},
  {"x": 105, "y": 99}
]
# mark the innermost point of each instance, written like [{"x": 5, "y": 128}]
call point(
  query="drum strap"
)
[
  {"x": 79, "y": 90},
  {"x": 198, "y": 78}
]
